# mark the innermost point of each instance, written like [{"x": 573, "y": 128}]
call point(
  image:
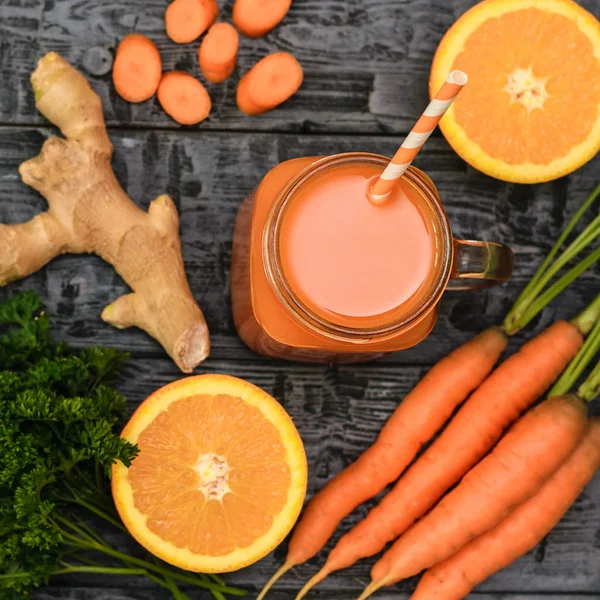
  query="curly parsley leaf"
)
[{"x": 59, "y": 416}]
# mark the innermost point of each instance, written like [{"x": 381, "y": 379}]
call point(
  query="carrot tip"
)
[
  {"x": 312, "y": 582},
  {"x": 371, "y": 589},
  {"x": 280, "y": 573}
]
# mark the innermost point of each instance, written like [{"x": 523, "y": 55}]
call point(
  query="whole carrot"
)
[
  {"x": 498, "y": 401},
  {"x": 526, "y": 457},
  {"x": 519, "y": 532},
  {"x": 424, "y": 410}
]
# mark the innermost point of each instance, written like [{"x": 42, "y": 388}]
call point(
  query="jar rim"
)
[{"x": 298, "y": 309}]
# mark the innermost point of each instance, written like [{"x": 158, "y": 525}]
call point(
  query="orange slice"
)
[
  {"x": 531, "y": 109},
  {"x": 220, "y": 478}
]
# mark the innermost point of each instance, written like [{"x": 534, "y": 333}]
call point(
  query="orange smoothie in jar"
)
[
  {"x": 349, "y": 261},
  {"x": 319, "y": 274}
]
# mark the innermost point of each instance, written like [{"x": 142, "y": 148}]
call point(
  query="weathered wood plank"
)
[
  {"x": 366, "y": 61},
  {"x": 102, "y": 593},
  {"x": 208, "y": 176},
  {"x": 55, "y": 592}
]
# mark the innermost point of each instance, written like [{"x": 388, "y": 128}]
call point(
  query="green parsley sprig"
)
[{"x": 58, "y": 440}]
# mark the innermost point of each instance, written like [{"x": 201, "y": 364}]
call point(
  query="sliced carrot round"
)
[
  {"x": 186, "y": 20},
  {"x": 220, "y": 477},
  {"x": 255, "y": 18},
  {"x": 184, "y": 98},
  {"x": 137, "y": 68},
  {"x": 218, "y": 52},
  {"x": 269, "y": 83}
]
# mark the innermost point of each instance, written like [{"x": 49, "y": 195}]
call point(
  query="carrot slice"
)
[
  {"x": 218, "y": 52},
  {"x": 269, "y": 83},
  {"x": 137, "y": 68},
  {"x": 184, "y": 98},
  {"x": 255, "y": 18},
  {"x": 186, "y": 20}
]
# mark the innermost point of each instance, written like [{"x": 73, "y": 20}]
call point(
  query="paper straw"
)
[{"x": 418, "y": 136}]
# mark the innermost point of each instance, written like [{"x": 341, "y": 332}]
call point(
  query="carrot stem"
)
[
  {"x": 561, "y": 240},
  {"x": 590, "y": 389},
  {"x": 578, "y": 365},
  {"x": 547, "y": 269},
  {"x": 586, "y": 320},
  {"x": 541, "y": 301},
  {"x": 591, "y": 232}
]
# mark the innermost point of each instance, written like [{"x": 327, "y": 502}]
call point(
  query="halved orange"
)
[
  {"x": 531, "y": 109},
  {"x": 220, "y": 478}
]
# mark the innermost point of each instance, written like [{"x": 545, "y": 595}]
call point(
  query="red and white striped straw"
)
[{"x": 417, "y": 137}]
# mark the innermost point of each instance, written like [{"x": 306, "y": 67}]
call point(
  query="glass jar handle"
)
[{"x": 480, "y": 265}]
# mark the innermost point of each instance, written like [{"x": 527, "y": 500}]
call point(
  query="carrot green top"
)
[
  {"x": 590, "y": 389},
  {"x": 537, "y": 294}
]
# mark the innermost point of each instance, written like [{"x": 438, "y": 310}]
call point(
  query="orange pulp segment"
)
[
  {"x": 220, "y": 478},
  {"x": 531, "y": 109}
]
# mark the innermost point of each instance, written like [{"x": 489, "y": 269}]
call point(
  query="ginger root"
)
[{"x": 88, "y": 212}]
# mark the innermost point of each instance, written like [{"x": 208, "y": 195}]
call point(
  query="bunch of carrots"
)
[
  {"x": 513, "y": 486},
  {"x": 137, "y": 70}
]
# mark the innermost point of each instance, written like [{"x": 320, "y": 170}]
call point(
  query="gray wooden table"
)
[{"x": 366, "y": 65}]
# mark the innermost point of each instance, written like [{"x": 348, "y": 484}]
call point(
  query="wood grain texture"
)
[
  {"x": 366, "y": 61},
  {"x": 208, "y": 174}
]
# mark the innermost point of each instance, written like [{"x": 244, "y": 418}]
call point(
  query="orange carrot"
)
[
  {"x": 137, "y": 68},
  {"x": 217, "y": 54},
  {"x": 269, "y": 83},
  {"x": 186, "y": 20},
  {"x": 493, "y": 406},
  {"x": 255, "y": 18},
  {"x": 519, "y": 532},
  {"x": 526, "y": 457},
  {"x": 184, "y": 98},
  {"x": 424, "y": 410}
]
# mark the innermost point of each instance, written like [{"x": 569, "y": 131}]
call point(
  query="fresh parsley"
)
[{"x": 58, "y": 420}]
